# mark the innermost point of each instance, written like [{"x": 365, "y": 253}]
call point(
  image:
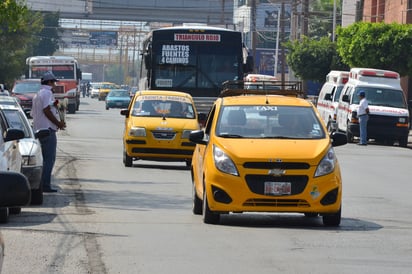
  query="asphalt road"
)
[{"x": 107, "y": 218}]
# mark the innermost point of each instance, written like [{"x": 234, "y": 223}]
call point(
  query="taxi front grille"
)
[
  {"x": 280, "y": 165},
  {"x": 256, "y": 183},
  {"x": 276, "y": 202},
  {"x": 164, "y": 135}
]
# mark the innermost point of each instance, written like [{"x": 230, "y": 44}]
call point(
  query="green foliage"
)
[
  {"x": 377, "y": 45},
  {"x": 48, "y": 39},
  {"x": 312, "y": 59},
  {"x": 321, "y": 18},
  {"x": 18, "y": 29}
]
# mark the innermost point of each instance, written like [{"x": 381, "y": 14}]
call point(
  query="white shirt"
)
[
  {"x": 41, "y": 100},
  {"x": 363, "y": 105}
]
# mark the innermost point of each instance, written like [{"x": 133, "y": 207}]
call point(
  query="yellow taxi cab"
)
[
  {"x": 157, "y": 127},
  {"x": 105, "y": 88},
  {"x": 266, "y": 153}
]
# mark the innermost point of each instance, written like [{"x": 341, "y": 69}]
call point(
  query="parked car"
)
[
  {"x": 10, "y": 157},
  {"x": 25, "y": 90},
  {"x": 133, "y": 90},
  {"x": 14, "y": 191},
  {"x": 117, "y": 98},
  {"x": 30, "y": 149},
  {"x": 265, "y": 153},
  {"x": 157, "y": 127}
]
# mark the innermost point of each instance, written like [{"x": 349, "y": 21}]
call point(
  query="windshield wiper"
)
[{"x": 227, "y": 135}]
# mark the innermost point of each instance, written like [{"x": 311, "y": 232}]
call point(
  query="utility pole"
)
[{"x": 253, "y": 29}]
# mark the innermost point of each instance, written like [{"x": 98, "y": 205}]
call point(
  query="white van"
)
[
  {"x": 261, "y": 81},
  {"x": 328, "y": 99},
  {"x": 389, "y": 116}
]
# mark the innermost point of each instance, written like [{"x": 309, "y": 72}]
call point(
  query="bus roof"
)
[
  {"x": 50, "y": 59},
  {"x": 198, "y": 27}
]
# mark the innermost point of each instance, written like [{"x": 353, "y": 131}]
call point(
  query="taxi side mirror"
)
[
  {"x": 197, "y": 137},
  {"x": 124, "y": 112}
]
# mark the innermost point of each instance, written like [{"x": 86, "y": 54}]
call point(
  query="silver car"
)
[{"x": 30, "y": 149}]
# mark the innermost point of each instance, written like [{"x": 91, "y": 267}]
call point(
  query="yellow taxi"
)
[
  {"x": 266, "y": 153},
  {"x": 105, "y": 88},
  {"x": 157, "y": 127}
]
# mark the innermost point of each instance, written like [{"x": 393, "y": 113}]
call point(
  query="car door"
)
[
  {"x": 200, "y": 153},
  {"x": 10, "y": 157}
]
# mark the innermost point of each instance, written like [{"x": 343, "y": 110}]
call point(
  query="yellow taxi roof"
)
[
  {"x": 265, "y": 99},
  {"x": 163, "y": 92}
]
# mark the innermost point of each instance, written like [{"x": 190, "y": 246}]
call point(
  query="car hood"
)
[
  {"x": 158, "y": 123},
  {"x": 25, "y": 96},
  {"x": 242, "y": 150}
]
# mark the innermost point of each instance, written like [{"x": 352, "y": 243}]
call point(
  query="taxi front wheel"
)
[
  {"x": 209, "y": 217},
  {"x": 127, "y": 160},
  {"x": 332, "y": 219}
]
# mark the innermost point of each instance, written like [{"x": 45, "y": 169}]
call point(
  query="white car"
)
[
  {"x": 29, "y": 147},
  {"x": 10, "y": 159},
  {"x": 94, "y": 89}
]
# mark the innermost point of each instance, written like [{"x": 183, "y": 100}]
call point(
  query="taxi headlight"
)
[
  {"x": 223, "y": 162},
  {"x": 137, "y": 132},
  {"x": 327, "y": 164},
  {"x": 186, "y": 133}
]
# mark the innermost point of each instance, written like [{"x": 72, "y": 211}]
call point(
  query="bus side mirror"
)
[
  {"x": 148, "y": 61},
  {"x": 79, "y": 74},
  {"x": 248, "y": 67}
]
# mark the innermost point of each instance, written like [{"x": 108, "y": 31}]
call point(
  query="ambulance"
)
[
  {"x": 389, "y": 116},
  {"x": 261, "y": 81},
  {"x": 328, "y": 99}
]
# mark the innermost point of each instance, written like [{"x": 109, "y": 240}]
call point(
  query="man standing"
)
[
  {"x": 363, "y": 116},
  {"x": 46, "y": 115}
]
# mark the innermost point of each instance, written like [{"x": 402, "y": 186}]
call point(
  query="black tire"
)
[
  {"x": 349, "y": 135},
  {"x": 403, "y": 141},
  {"x": 209, "y": 217},
  {"x": 4, "y": 215},
  {"x": 127, "y": 160},
  {"x": 37, "y": 196},
  {"x": 332, "y": 219},
  {"x": 107, "y": 108},
  {"x": 197, "y": 208},
  {"x": 71, "y": 108},
  {"x": 14, "y": 210}
]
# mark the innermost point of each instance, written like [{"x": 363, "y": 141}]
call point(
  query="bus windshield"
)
[
  {"x": 196, "y": 61},
  {"x": 60, "y": 71}
]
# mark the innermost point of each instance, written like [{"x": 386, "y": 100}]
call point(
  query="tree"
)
[
  {"x": 48, "y": 39},
  {"x": 321, "y": 17},
  {"x": 312, "y": 59},
  {"x": 18, "y": 28},
  {"x": 377, "y": 45}
]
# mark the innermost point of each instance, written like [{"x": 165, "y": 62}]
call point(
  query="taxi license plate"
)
[{"x": 278, "y": 188}]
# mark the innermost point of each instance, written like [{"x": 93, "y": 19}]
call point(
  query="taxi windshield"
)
[
  {"x": 263, "y": 121},
  {"x": 164, "y": 108}
]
